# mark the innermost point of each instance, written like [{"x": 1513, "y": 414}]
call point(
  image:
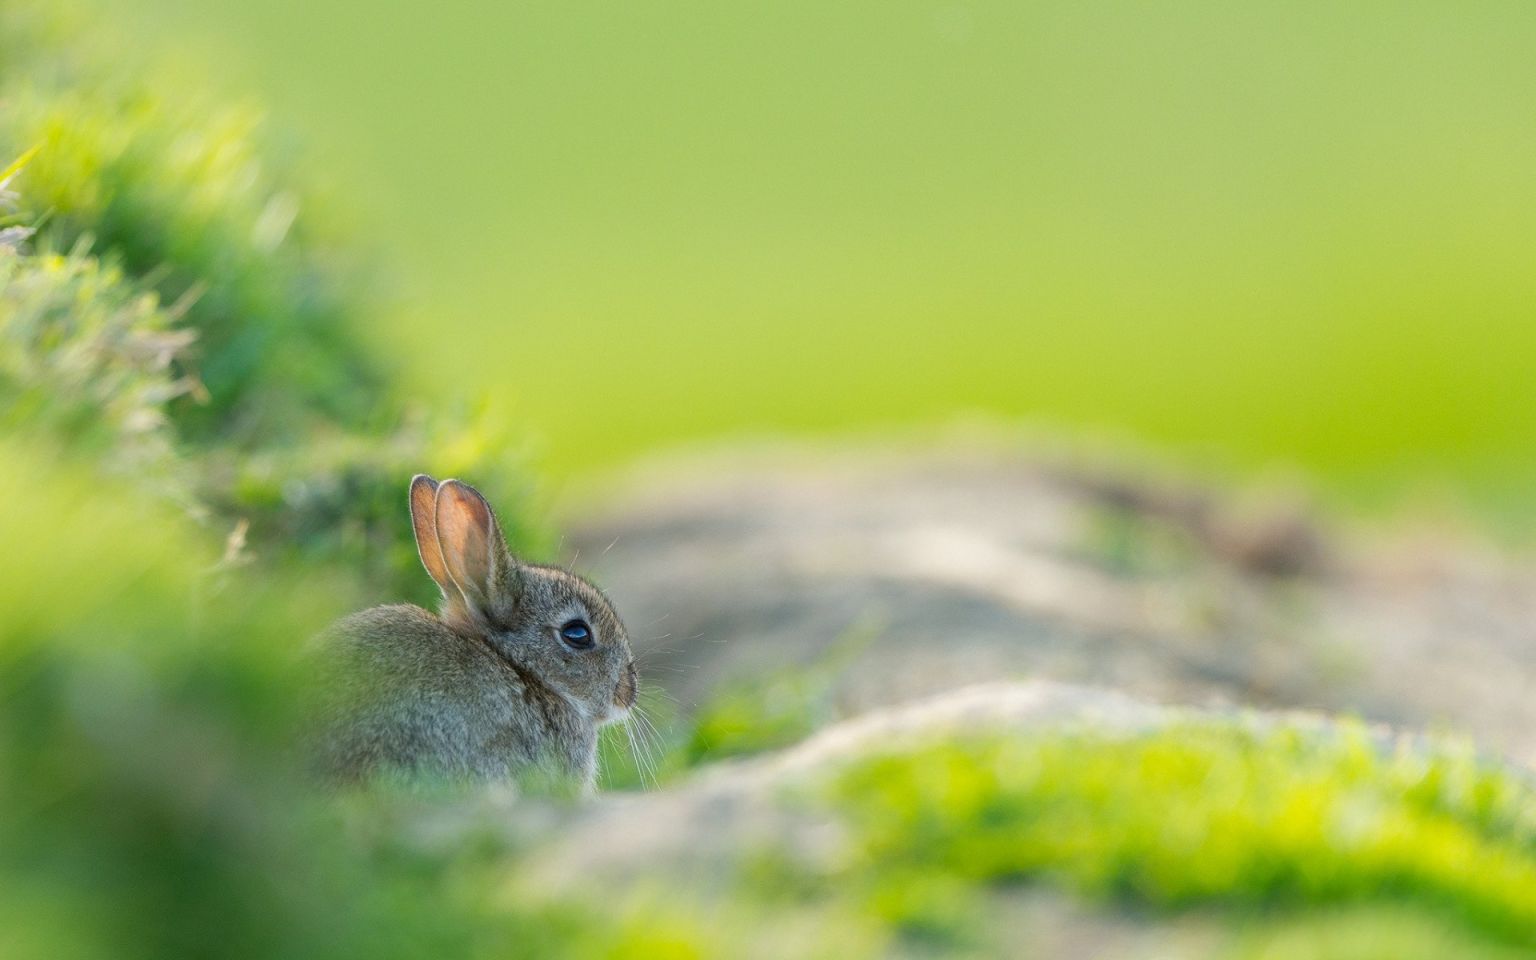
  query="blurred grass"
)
[
  {"x": 1268, "y": 841},
  {"x": 184, "y": 313},
  {"x": 1293, "y": 233},
  {"x": 1278, "y": 840},
  {"x": 1262, "y": 823},
  {"x": 1364, "y": 933}
]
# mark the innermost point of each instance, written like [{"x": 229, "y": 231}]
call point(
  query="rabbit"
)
[{"x": 512, "y": 678}]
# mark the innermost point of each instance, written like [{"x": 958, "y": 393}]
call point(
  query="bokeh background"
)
[{"x": 1256, "y": 233}]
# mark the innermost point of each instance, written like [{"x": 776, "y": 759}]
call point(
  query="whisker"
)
[
  {"x": 652, "y": 746},
  {"x": 645, "y": 760},
  {"x": 662, "y": 692},
  {"x": 631, "y": 733}
]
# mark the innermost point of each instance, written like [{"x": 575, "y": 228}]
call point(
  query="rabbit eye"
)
[{"x": 577, "y": 635}]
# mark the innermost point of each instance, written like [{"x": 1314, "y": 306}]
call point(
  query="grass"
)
[
  {"x": 1275, "y": 841},
  {"x": 1269, "y": 840},
  {"x": 87, "y": 357},
  {"x": 180, "y": 307},
  {"x": 1255, "y": 822}
]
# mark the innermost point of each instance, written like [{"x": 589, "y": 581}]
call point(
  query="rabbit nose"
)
[{"x": 629, "y": 684}]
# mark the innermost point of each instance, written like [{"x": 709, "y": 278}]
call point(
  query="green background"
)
[{"x": 1253, "y": 234}]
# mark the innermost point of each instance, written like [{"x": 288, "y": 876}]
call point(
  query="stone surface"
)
[{"x": 962, "y": 564}]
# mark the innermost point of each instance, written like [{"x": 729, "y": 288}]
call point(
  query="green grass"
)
[
  {"x": 1256, "y": 823},
  {"x": 1364, "y": 933},
  {"x": 1280, "y": 841},
  {"x": 185, "y": 310},
  {"x": 85, "y": 356},
  {"x": 1274, "y": 841}
]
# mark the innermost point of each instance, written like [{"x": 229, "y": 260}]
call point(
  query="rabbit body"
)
[{"x": 524, "y": 665}]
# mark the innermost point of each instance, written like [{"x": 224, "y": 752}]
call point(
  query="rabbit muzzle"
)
[{"x": 629, "y": 685}]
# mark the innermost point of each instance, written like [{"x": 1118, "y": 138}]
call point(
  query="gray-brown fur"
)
[{"x": 488, "y": 689}]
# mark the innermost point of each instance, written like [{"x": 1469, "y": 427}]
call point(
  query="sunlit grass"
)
[
  {"x": 176, "y": 304},
  {"x": 1212, "y": 814}
]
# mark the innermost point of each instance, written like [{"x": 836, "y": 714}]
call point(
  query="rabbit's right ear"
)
[
  {"x": 424, "y": 523},
  {"x": 474, "y": 553}
]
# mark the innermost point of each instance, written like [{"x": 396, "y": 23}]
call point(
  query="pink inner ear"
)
[
  {"x": 424, "y": 524},
  {"x": 464, "y": 531}
]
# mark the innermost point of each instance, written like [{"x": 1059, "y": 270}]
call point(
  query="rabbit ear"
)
[
  {"x": 424, "y": 523},
  {"x": 474, "y": 553}
]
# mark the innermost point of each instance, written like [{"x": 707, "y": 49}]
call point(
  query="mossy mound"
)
[{"x": 176, "y": 305}]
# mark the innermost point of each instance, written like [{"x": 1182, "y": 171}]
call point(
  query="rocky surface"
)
[
  {"x": 695, "y": 842},
  {"x": 961, "y": 564},
  {"x": 704, "y": 827}
]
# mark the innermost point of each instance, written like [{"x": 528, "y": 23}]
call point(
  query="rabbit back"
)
[{"x": 408, "y": 694}]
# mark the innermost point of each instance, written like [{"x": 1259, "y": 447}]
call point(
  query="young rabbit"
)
[{"x": 515, "y": 676}]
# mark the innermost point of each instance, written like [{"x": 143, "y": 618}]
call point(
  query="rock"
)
[
  {"x": 965, "y": 564},
  {"x": 700, "y": 831}
]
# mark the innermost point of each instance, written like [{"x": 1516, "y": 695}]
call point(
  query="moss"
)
[
  {"x": 178, "y": 262},
  {"x": 1216, "y": 815},
  {"x": 1363, "y": 933},
  {"x": 185, "y": 193},
  {"x": 86, "y": 357}
]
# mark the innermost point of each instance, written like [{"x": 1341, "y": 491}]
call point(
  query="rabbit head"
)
[{"x": 556, "y": 629}]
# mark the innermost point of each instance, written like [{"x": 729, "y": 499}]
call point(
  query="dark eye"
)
[{"x": 577, "y": 635}]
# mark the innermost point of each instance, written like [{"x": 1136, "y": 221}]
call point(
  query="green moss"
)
[
  {"x": 185, "y": 193},
  {"x": 1363, "y": 933},
  {"x": 187, "y": 310},
  {"x": 1204, "y": 815},
  {"x": 86, "y": 357}
]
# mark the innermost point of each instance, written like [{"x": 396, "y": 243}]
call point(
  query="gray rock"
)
[{"x": 968, "y": 563}]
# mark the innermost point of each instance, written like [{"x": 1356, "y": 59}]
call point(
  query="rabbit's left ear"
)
[{"x": 474, "y": 553}]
